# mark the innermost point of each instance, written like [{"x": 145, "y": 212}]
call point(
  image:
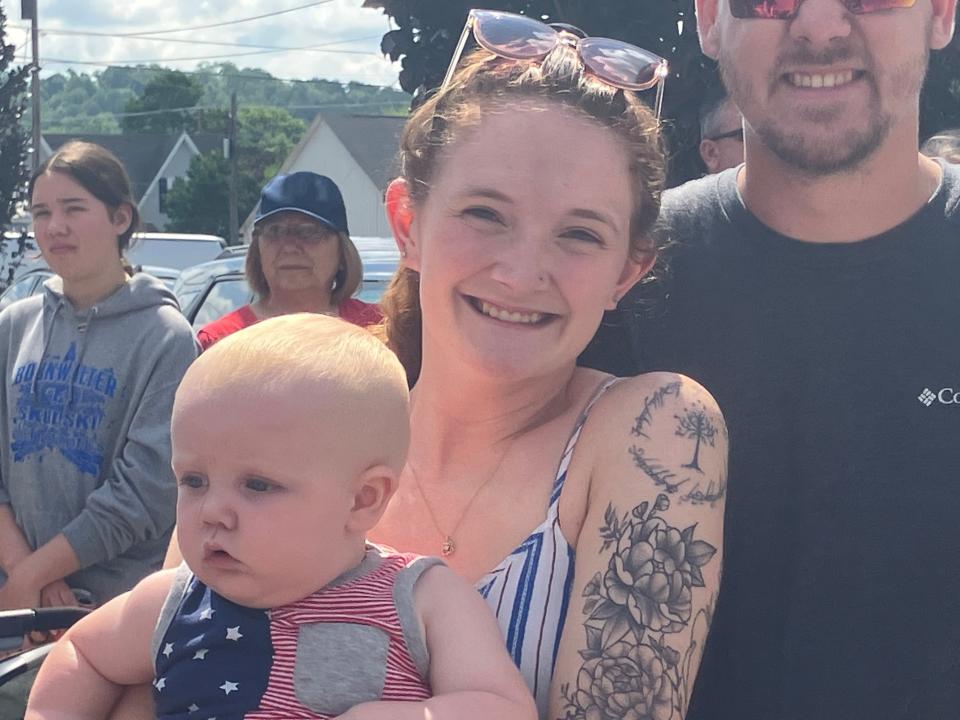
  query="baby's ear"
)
[{"x": 372, "y": 491}]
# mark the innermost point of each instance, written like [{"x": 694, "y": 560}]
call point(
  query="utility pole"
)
[
  {"x": 232, "y": 147},
  {"x": 28, "y": 9}
]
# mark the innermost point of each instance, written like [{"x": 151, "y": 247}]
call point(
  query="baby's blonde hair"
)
[{"x": 360, "y": 381}]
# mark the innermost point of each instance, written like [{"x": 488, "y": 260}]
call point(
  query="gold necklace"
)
[{"x": 447, "y": 545}]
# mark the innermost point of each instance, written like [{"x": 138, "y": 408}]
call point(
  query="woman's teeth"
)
[{"x": 507, "y": 316}]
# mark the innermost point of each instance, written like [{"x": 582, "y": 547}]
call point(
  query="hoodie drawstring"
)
[
  {"x": 83, "y": 330},
  {"x": 47, "y": 339}
]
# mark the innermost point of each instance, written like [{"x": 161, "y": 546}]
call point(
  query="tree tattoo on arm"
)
[
  {"x": 634, "y": 611},
  {"x": 695, "y": 424}
]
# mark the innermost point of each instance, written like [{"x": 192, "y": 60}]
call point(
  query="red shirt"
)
[{"x": 351, "y": 310}]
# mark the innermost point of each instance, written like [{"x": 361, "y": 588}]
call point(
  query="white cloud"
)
[{"x": 338, "y": 20}]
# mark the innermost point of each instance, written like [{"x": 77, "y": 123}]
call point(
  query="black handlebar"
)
[{"x": 17, "y": 623}]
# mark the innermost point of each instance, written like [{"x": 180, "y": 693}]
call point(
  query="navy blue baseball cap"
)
[{"x": 304, "y": 192}]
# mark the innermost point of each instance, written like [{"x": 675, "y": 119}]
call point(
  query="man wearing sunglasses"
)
[
  {"x": 721, "y": 133},
  {"x": 815, "y": 291}
]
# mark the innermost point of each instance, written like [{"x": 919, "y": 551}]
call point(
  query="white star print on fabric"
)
[
  {"x": 234, "y": 633},
  {"x": 206, "y": 613},
  {"x": 229, "y": 687},
  {"x": 160, "y": 684},
  {"x": 193, "y": 708},
  {"x": 200, "y": 654},
  {"x": 168, "y": 649}
]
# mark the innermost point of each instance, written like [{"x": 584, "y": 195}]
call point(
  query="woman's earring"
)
[{"x": 403, "y": 253}]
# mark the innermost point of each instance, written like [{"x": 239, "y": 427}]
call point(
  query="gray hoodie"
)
[{"x": 85, "y": 426}]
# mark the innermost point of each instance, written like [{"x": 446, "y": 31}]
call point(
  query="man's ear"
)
[
  {"x": 707, "y": 11},
  {"x": 941, "y": 29},
  {"x": 372, "y": 491},
  {"x": 399, "y": 206},
  {"x": 710, "y": 154},
  {"x": 633, "y": 270}
]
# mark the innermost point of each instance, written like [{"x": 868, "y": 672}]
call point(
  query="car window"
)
[
  {"x": 172, "y": 252},
  {"x": 14, "y": 258},
  {"x": 372, "y": 290},
  {"x": 186, "y": 296},
  {"x": 225, "y": 296},
  {"x": 18, "y": 290}
]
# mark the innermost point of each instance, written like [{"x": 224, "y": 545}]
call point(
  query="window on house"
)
[{"x": 163, "y": 186}]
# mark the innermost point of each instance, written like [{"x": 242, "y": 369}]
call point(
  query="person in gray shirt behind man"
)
[
  {"x": 721, "y": 132},
  {"x": 815, "y": 291}
]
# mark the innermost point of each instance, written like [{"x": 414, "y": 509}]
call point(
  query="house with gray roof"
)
[
  {"x": 153, "y": 162},
  {"x": 359, "y": 153}
]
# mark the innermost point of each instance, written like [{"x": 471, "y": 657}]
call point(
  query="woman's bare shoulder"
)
[{"x": 664, "y": 427}]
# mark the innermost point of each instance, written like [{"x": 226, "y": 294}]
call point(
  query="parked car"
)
[
  {"x": 15, "y": 249},
  {"x": 162, "y": 255},
  {"x": 174, "y": 250},
  {"x": 158, "y": 250},
  {"x": 30, "y": 281},
  {"x": 25, "y": 285},
  {"x": 211, "y": 290}
]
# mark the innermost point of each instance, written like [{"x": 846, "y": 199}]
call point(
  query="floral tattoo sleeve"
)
[
  {"x": 644, "y": 627},
  {"x": 632, "y": 671}
]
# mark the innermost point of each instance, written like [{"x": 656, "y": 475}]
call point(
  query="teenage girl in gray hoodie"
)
[{"x": 89, "y": 369}]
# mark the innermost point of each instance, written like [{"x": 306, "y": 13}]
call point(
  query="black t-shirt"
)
[{"x": 837, "y": 367}]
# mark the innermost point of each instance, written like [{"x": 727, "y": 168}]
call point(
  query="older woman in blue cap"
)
[{"x": 301, "y": 258}]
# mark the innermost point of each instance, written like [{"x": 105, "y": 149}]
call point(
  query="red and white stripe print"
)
[{"x": 367, "y": 600}]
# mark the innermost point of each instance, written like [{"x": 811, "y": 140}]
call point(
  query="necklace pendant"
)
[{"x": 447, "y": 547}]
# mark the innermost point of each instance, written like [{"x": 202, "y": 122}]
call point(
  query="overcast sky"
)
[{"x": 355, "y": 31}]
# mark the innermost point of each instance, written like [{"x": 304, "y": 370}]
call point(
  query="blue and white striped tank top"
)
[{"x": 530, "y": 589}]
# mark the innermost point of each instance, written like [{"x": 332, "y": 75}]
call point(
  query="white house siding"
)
[
  {"x": 326, "y": 154},
  {"x": 174, "y": 170}
]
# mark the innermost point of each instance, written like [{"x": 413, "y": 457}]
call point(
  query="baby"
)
[{"x": 288, "y": 439}]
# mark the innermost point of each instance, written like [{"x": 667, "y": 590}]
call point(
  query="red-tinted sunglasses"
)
[
  {"x": 518, "y": 37},
  {"x": 786, "y": 9}
]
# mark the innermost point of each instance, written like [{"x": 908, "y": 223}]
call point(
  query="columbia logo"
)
[{"x": 927, "y": 397}]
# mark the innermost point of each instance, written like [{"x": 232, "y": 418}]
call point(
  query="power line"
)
[
  {"x": 200, "y": 108},
  {"x": 318, "y": 47},
  {"x": 196, "y": 108},
  {"x": 236, "y": 22},
  {"x": 201, "y": 57},
  {"x": 229, "y": 22}
]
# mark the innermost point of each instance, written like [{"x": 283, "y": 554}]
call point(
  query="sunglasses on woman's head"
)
[
  {"x": 517, "y": 37},
  {"x": 786, "y": 9}
]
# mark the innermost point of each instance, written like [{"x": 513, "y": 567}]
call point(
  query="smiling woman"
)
[
  {"x": 587, "y": 510},
  {"x": 301, "y": 258},
  {"x": 89, "y": 370}
]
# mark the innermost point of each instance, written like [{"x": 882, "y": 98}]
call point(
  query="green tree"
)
[
  {"x": 91, "y": 103},
  {"x": 265, "y": 136},
  {"x": 427, "y": 32},
  {"x": 169, "y": 90},
  {"x": 13, "y": 136},
  {"x": 200, "y": 202}
]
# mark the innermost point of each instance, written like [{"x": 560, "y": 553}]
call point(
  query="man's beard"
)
[{"x": 845, "y": 151}]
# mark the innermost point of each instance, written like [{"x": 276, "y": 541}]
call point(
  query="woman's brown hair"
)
[
  {"x": 100, "y": 173},
  {"x": 483, "y": 82}
]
